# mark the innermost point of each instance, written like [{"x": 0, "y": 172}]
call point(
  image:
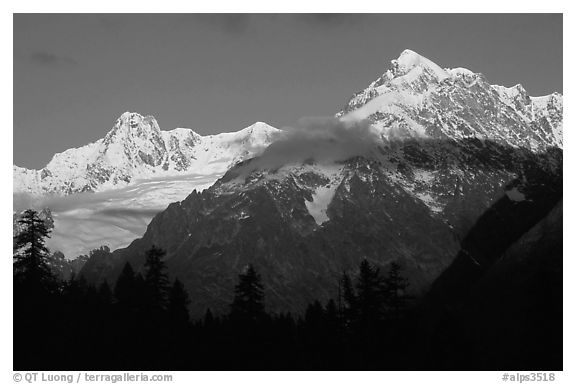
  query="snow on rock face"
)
[
  {"x": 464, "y": 72},
  {"x": 136, "y": 149},
  {"x": 416, "y": 98},
  {"x": 409, "y": 60},
  {"x": 322, "y": 195},
  {"x": 319, "y": 204},
  {"x": 515, "y": 195}
]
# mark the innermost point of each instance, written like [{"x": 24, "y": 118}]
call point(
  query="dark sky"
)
[{"x": 75, "y": 74}]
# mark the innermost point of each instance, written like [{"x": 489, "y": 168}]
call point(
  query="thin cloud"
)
[
  {"x": 47, "y": 59},
  {"x": 129, "y": 212},
  {"x": 239, "y": 23},
  {"x": 320, "y": 139},
  {"x": 332, "y": 20}
]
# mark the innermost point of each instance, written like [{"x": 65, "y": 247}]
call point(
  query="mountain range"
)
[
  {"x": 402, "y": 173},
  {"x": 106, "y": 193},
  {"x": 136, "y": 149}
]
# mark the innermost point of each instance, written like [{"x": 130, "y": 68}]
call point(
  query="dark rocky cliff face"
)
[
  {"x": 377, "y": 212},
  {"x": 501, "y": 298}
]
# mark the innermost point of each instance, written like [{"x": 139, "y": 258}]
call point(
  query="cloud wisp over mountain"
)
[
  {"x": 318, "y": 139},
  {"x": 86, "y": 221}
]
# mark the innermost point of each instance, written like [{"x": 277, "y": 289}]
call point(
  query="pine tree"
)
[
  {"x": 395, "y": 286},
  {"x": 124, "y": 290},
  {"x": 365, "y": 299},
  {"x": 31, "y": 256},
  {"x": 156, "y": 279},
  {"x": 346, "y": 290},
  {"x": 178, "y": 304},
  {"x": 248, "y": 301},
  {"x": 370, "y": 293}
]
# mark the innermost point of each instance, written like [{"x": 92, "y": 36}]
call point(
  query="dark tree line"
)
[{"x": 142, "y": 321}]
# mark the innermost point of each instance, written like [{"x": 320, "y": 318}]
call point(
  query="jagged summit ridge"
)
[
  {"x": 136, "y": 148},
  {"x": 417, "y": 98},
  {"x": 414, "y": 98},
  {"x": 410, "y": 60}
]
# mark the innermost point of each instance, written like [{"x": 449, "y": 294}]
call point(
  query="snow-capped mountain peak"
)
[
  {"x": 259, "y": 131},
  {"x": 407, "y": 81},
  {"x": 417, "y": 98},
  {"x": 136, "y": 148},
  {"x": 411, "y": 62},
  {"x": 130, "y": 125}
]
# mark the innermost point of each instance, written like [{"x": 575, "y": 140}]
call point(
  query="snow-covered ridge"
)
[
  {"x": 136, "y": 149},
  {"x": 410, "y": 61},
  {"x": 417, "y": 98}
]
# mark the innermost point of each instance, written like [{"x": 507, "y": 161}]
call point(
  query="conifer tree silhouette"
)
[
  {"x": 370, "y": 293},
  {"x": 178, "y": 301},
  {"x": 36, "y": 293},
  {"x": 155, "y": 277},
  {"x": 248, "y": 304},
  {"x": 349, "y": 296},
  {"x": 31, "y": 256},
  {"x": 365, "y": 299},
  {"x": 395, "y": 286},
  {"x": 125, "y": 288}
]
